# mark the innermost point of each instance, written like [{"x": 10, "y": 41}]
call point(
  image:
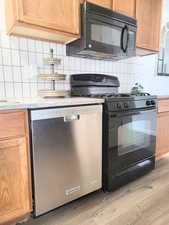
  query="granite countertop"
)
[
  {"x": 33, "y": 103},
  {"x": 162, "y": 96}
]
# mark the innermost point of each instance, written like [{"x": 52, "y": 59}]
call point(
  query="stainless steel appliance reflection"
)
[{"x": 67, "y": 154}]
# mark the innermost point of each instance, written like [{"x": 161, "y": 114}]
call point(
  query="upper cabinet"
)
[
  {"x": 148, "y": 15},
  {"x": 59, "y": 21},
  {"x": 48, "y": 19},
  {"x": 127, "y": 7},
  {"x": 103, "y": 3}
]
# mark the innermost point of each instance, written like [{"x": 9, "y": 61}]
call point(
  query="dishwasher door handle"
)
[{"x": 71, "y": 118}]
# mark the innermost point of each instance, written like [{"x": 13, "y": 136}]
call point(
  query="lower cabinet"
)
[
  {"x": 162, "y": 135},
  {"x": 15, "y": 184},
  {"x": 162, "y": 146}
]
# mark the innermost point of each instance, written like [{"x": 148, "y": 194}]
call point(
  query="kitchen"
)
[{"x": 38, "y": 181}]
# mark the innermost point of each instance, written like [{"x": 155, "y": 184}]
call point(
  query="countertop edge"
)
[
  {"x": 48, "y": 104},
  {"x": 160, "y": 97}
]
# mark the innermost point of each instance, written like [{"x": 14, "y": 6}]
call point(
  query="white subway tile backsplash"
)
[
  {"x": 33, "y": 90},
  {"x": 14, "y": 42},
  {"x": 10, "y": 92},
  {"x": 39, "y": 59},
  {"x": 6, "y": 57},
  {"x": 23, "y": 44},
  {"x": 31, "y": 45},
  {"x": 18, "y": 89},
  {"x": 32, "y": 58},
  {"x": 26, "y": 90},
  {"x": 2, "y": 90},
  {"x": 5, "y": 40},
  {"x": 15, "y": 57},
  {"x": 46, "y": 47},
  {"x": 1, "y": 74},
  {"x": 17, "y": 76},
  {"x": 59, "y": 49},
  {"x": 1, "y": 62},
  {"x": 23, "y": 58},
  {"x": 8, "y": 73}
]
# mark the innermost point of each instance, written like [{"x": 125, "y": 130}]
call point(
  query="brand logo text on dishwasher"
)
[{"x": 72, "y": 190}]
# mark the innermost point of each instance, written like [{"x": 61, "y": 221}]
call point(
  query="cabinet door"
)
[
  {"x": 162, "y": 135},
  {"x": 15, "y": 199},
  {"x": 103, "y": 3},
  {"x": 127, "y": 7},
  {"x": 62, "y": 15},
  {"x": 148, "y": 14}
]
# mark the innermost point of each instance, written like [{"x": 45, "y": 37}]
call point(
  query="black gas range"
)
[{"x": 129, "y": 128}]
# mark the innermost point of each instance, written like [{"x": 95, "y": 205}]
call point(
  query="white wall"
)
[{"x": 21, "y": 61}]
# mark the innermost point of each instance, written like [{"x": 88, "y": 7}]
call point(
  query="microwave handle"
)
[{"x": 125, "y": 29}]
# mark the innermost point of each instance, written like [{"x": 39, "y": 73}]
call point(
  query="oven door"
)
[
  {"x": 132, "y": 137},
  {"x": 109, "y": 37}
]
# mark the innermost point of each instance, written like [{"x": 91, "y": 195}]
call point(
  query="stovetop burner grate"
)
[{"x": 115, "y": 95}]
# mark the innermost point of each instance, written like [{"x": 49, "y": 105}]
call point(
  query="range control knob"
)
[
  {"x": 153, "y": 102},
  {"x": 126, "y": 105},
  {"x": 118, "y": 105},
  {"x": 148, "y": 103}
]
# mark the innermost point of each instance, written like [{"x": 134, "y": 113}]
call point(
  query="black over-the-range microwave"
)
[{"x": 105, "y": 34}]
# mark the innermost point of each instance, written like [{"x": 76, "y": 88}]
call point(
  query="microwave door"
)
[
  {"x": 131, "y": 51},
  {"x": 103, "y": 37}
]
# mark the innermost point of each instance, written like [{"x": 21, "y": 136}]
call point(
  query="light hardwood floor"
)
[{"x": 143, "y": 202}]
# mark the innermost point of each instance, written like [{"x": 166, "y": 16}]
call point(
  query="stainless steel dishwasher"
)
[{"x": 66, "y": 153}]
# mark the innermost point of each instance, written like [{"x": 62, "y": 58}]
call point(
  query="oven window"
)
[
  {"x": 105, "y": 34},
  {"x": 133, "y": 136}
]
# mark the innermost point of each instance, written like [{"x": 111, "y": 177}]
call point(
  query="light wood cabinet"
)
[
  {"x": 103, "y": 3},
  {"x": 47, "y": 20},
  {"x": 15, "y": 180},
  {"x": 162, "y": 147},
  {"x": 59, "y": 21},
  {"x": 127, "y": 7},
  {"x": 162, "y": 135},
  {"x": 148, "y": 14}
]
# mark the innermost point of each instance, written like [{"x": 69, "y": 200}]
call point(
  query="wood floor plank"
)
[{"x": 143, "y": 202}]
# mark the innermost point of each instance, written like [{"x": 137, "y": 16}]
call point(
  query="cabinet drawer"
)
[
  {"x": 12, "y": 123},
  {"x": 163, "y": 105}
]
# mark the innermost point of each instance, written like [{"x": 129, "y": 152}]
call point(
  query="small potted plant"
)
[{"x": 137, "y": 89}]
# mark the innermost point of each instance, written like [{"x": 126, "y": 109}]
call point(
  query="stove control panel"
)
[{"x": 123, "y": 105}]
